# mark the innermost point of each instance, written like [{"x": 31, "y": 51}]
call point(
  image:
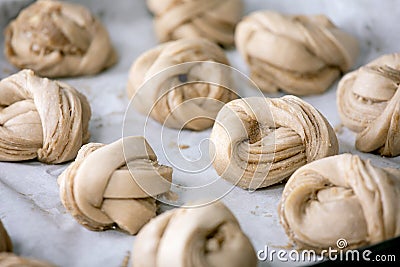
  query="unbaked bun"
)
[
  {"x": 194, "y": 237},
  {"x": 298, "y": 54},
  {"x": 113, "y": 186},
  {"x": 368, "y": 101},
  {"x": 341, "y": 198},
  {"x": 41, "y": 118},
  {"x": 257, "y": 142},
  {"x": 58, "y": 39},
  {"x": 181, "y": 84},
  {"x": 211, "y": 19}
]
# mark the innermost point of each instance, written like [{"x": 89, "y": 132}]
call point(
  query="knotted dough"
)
[
  {"x": 193, "y": 237},
  {"x": 58, "y": 39},
  {"x": 12, "y": 260},
  {"x": 41, "y": 118},
  {"x": 257, "y": 141},
  {"x": 181, "y": 83},
  {"x": 5, "y": 241},
  {"x": 211, "y": 19},
  {"x": 298, "y": 54},
  {"x": 368, "y": 101},
  {"x": 341, "y": 197},
  {"x": 112, "y": 186}
]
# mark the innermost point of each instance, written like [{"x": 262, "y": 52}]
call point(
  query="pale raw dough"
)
[
  {"x": 41, "y": 118},
  {"x": 12, "y": 260},
  {"x": 101, "y": 192},
  {"x": 298, "y": 54},
  {"x": 257, "y": 141},
  {"x": 5, "y": 241},
  {"x": 341, "y": 197},
  {"x": 193, "y": 105},
  {"x": 211, "y": 19},
  {"x": 193, "y": 237},
  {"x": 58, "y": 39},
  {"x": 368, "y": 101}
]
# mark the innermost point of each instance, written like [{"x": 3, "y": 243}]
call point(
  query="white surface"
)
[{"x": 30, "y": 207}]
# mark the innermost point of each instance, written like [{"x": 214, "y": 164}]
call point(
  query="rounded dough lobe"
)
[
  {"x": 58, "y": 39},
  {"x": 298, "y": 54},
  {"x": 12, "y": 260},
  {"x": 368, "y": 101},
  {"x": 257, "y": 141},
  {"x": 112, "y": 186},
  {"x": 5, "y": 241},
  {"x": 194, "y": 237},
  {"x": 341, "y": 197},
  {"x": 41, "y": 118},
  {"x": 214, "y": 20},
  {"x": 182, "y": 84}
]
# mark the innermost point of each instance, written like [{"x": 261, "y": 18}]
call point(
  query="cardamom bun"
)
[
  {"x": 58, "y": 39},
  {"x": 212, "y": 19},
  {"x": 41, "y": 118},
  {"x": 205, "y": 236},
  {"x": 12, "y": 260},
  {"x": 298, "y": 54},
  {"x": 368, "y": 102},
  {"x": 181, "y": 83},
  {"x": 341, "y": 197},
  {"x": 5, "y": 241},
  {"x": 113, "y": 186},
  {"x": 257, "y": 142}
]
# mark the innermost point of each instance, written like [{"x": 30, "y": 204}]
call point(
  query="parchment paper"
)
[{"x": 29, "y": 202}]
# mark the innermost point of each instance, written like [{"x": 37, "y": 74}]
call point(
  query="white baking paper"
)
[{"x": 30, "y": 207}]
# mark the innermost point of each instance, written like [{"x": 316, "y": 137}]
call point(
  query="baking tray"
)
[{"x": 30, "y": 206}]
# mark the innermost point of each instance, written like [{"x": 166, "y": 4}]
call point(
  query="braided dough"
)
[
  {"x": 11, "y": 260},
  {"x": 166, "y": 98},
  {"x": 300, "y": 55},
  {"x": 101, "y": 192},
  {"x": 257, "y": 141},
  {"x": 211, "y": 19},
  {"x": 5, "y": 241},
  {"x": 368, "y": 101},
  {"x": 58, "y": 39},
  {"x": 205, "y": 236},
  {"x": 41, "y": 118},
  {"x": 341, "y": 197}
]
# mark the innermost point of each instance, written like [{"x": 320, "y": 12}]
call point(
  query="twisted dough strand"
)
[
  {"x": 260, "y": 141},
  {"x": 42, "y": 119},
  {"x": 341, "y": 197},
  {"x": 212, "y": 19},
  {"x": 101, "y": 192},
  {"x": 299, "y": 54},
  {"x": 195, "y": 237},
  {"x": 368, "y": 101},
  {"x": 58, "y": 39}
]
